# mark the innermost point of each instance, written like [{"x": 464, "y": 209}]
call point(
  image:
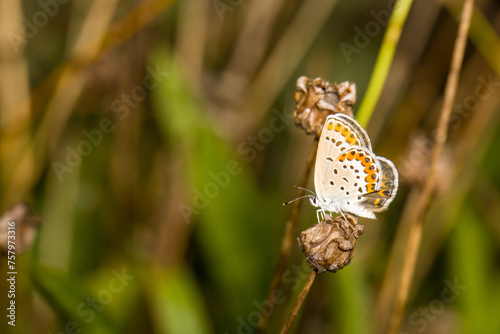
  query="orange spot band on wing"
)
[
  {"x": 351, "y": 139},
  {"x": 370, "y": 168},
  {"x": 371, "y": 177},
  {"x": 366, "y": 162},
  {"x": 383, "y": 192},
  {"x": 370, "y": 187}
]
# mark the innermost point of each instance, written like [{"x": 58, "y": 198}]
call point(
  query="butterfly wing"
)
[
  {"x": 355, "y": 128},
  {"x": 348, "y": 176},
  {"x": 355, "y": 173},
  {"x": 339, "y": 133},
  {"x": 385, "y": 192},
  {"x": 361, "y": 183}
]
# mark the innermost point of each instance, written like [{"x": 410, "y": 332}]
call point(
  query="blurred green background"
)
[{"x": 155, "y": 142}]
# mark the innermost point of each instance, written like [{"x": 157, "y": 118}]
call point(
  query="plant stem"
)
[
  {"x": 298, "y": 304},
  {"x": 286, "y": 244},
  {"x": 417, "y": 221}
]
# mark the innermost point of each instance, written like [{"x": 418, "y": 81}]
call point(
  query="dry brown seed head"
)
[
  {"x": 329, "y": 245},
  {"x": 318, "y": 98}
]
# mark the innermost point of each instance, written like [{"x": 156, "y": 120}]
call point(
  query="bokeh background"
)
[{"x": 154, "y": 143}]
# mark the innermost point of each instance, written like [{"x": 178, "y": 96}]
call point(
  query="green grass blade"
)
[
  {"x": 384, "y": 61},
  {"x": 176, "y": 303}
]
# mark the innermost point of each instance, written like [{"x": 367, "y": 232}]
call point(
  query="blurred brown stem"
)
[
  {"x": 284, "y": 58},
  {"x": 286, "y": 244},
  {"x": 300, "y": 301},
  {"x": 417, "y": 220},
  {"x": 92, "y": 46}
]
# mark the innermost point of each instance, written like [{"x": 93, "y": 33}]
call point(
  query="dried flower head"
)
[
  {"x": 318, "y": 98},
  {"x": 414, "y": 167},
  {"x": 329, "y": 245},
  {"x": 15, "y": 222}
]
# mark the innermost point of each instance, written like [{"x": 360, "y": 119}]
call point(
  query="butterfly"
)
[{"x": 348, "y": 176}]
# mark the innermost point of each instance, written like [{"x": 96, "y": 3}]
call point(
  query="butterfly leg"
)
[
  {"x": 343, "y": 215},
  {"x": 346, "y": 222},
  {"x": 320, "y": 214}
]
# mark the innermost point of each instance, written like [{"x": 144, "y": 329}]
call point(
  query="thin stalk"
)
[
  {"x": 415, "y": 236},
  {"x": 285, "y": 57},
  {"x": 384, "y": 60},
  {"x": 482, "y": 33},
  {"x": 298, "y": 304},
  {"x": 286, "y": 244}
]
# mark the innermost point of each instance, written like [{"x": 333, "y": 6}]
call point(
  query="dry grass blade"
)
[
  {"x": 417, "y": 219},
  {"x": 250, "y": 47},
  {"x": 68, "y": 87},
  {"x": 14, "y": 87},
  {"x": 69, "y": 73},
  {"x": 192, "y": 35},
  {"x": 284, "y": 59}
]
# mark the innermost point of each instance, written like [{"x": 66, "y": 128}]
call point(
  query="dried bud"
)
[
  {"x": 329, "y": 245},
  {"x": 318, "y": 98},
  {"x": 414, "y": 167},
  {"x": 21, "y": 228}
]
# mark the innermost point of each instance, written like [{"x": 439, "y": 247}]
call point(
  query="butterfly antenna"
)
[
  {"x": 306, "y": 190},
  {"x": 293, "y": 200}
]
